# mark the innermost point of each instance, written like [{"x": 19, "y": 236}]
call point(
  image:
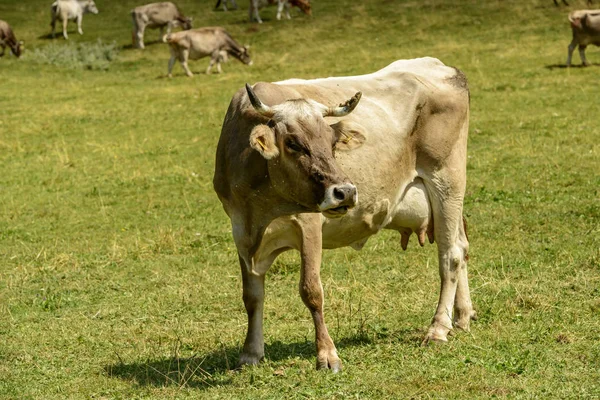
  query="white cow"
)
[
  {"x": 157, "y": 15},
  {"x": 253, "y": 14},
  {"x": 194, "y": 44},
  {"x": 585, "y": 25},
  {"x": 294, "y": 171},
  {"x": 71, "y": 10}
]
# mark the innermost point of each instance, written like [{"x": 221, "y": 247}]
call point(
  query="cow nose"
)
[
  {"x": 339, "y": 198},
  {"x": 344, "y": 192}
]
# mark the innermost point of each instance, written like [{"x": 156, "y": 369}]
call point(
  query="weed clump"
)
[{"x": 87, "y": 55}]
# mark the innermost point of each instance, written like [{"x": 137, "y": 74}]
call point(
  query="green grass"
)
[{"x": 118, "y": 274}]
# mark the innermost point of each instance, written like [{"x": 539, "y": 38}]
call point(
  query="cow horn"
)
[
  {"x": 343, "y": 109},
  {"x": 257, "y": 104}
]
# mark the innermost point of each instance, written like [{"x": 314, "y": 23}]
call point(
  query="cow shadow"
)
[
  {"x": 564, "y": 66},
  {"x": 204, "y": 371}
]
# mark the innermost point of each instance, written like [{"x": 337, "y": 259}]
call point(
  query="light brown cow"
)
[
  {"x": 194, "y": 44},
  {"x": 7, "y": 38},
  {"x": 70, "y": 10},
  {"x": 253, "y": 14},
  {"x": 585, "y": 25},
  {"x": 157, "y": 16},
  {"x": 294, "y": 173}
]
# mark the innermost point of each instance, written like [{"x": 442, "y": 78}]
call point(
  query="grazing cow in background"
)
[
  {"x": 293, "y": 172},
  {"x": 194, "y": 44},
  {"x": 585, "y": 25},
  {"x": 303, "y": 5},
  {"x": 66, "y": 10},
  {"x": 233, "y": 4},
  {"x": 7, "y": 38},
  {"x": 157, "y": 15}
]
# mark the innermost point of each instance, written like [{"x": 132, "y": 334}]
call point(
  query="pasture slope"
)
[{"x": 118, "y": 273}]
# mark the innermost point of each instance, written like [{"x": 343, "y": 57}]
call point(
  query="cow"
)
[
  {"x": 66, "y": 10},
  {"x": 194, "y": 44},
  {"x": 233, "y": 4},
  {"x": 294, "y": 172},
  {"x": 157, "y": 15},
  {"x": 253, "y": 14},
  {"x": 585, "y": 25},
  {"x": 7, "y": 38}
]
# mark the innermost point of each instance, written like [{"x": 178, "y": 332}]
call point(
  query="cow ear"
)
[
  {"x": 262, "y": 139},
  {"x": 350, "y": 135}
]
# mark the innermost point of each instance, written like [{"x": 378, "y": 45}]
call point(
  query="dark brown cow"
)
[
  {"x": 294, "y": 173},
  {"x": 7, "y": 38}
]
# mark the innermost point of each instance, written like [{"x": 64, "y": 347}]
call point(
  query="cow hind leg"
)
[
  {"x": 463, "y": 307},
  {"x": 452, "y": 257},
  {"x": 584, "y": 61},
  {"x": 184, "y": 63}
]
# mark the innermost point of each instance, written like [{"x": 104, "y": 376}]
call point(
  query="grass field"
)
[{"x": 118, "y": 272}]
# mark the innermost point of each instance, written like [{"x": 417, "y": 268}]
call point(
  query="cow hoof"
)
[
  {"x": 248, "y": 359},
  {"x": 329, "y": 362},
  {"x": 335, "y": 365},
  {"x": 437, "y": 333},
  {"x": 462, "y": 321}
]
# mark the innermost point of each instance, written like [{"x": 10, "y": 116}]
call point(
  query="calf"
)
[
  {"x": 65, "y": 10},
  {"x": 7, "y": 38},
  {"x": 194, "y": 44},
  {"x": 157, "y": 15},
  {"x": 224, "y": 2},
  {"x": 585, "y": 25},
  {"x": 253, "y": 15}
]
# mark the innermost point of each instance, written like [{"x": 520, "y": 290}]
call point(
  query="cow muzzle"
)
[{"x": 338, "y": 200}]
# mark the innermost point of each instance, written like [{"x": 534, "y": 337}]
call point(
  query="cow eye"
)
[{"x": 293, "y": 146}]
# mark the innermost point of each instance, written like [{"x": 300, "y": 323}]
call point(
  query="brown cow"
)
[
  {"x": 295, "y": 173},
  {"x": 585, "y": 25},
  {"x": 7, "y": 38}
]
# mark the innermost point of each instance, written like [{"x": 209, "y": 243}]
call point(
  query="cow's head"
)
[
  {"x": 299, "y": 146},
  {"x": 244, "y": 55},
  {"x": 90, "y": 7},
  {"x": 17, "y": 49},
  {"x": 303, "y": 5},
  {"x": 185, "y": 23}
]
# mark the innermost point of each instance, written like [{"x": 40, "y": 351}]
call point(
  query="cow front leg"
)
[
  {"x": 582, "y": 55},
  {"x": 3, "y": 49},
  {"x": 140, "y": 37},
  {"x": 53, "y": 25},
  {"x": 311, "y": 290},
  {"x": 171, "y": 63},
  {"x": 253, "y": 295},
  {"x": 279, "y": 9},
  {"x": 572, "y": 46},
  {"x": 79, "y": 18}
]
